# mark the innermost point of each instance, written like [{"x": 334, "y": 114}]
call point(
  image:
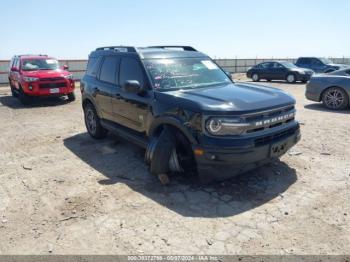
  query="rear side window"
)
[
  {"x": 109, "y": 70},
  {"x": 264, "y": 65},
  {"x": 130, "y": 69},
  {"x": 347, "y": 72},
  {"x": 92, "y": 66},
  {"x": 315, "y": 61}
]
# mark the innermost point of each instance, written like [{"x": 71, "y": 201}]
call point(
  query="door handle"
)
[{"x": 117, "y": 96}]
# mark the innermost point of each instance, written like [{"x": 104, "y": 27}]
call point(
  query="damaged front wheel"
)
[{"x": 170, "y": 152}]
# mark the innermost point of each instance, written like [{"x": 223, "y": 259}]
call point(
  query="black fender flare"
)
[
  {"x": 171, "y": 121},
  {"x": 87, "y": 99}
]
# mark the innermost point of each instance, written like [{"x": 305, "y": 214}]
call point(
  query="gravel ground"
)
[{"x": 63, "y": 193}]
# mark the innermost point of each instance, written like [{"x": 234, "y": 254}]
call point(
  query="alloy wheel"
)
[
  {"x": 91, "y": 121},
  {"x": 334, "y": 98}
]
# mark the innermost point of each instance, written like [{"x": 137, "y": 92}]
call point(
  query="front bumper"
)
[
  {"x": 219, "y": 164},
  {"x": 313, "y": 92},
  {"x": 46, "y": 88},
  {"x": 304, "y": 77}
]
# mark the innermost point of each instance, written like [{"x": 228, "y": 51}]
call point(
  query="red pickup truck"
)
[{"x": 39, "y": 76}]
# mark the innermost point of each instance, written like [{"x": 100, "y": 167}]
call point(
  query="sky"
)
[{"x": 71, "y": 29}]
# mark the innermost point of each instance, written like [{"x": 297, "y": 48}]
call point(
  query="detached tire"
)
[
  {"x": 335, "y": 98},
  {"x": 71, "y": 97},
  {"x": 170, "y": 152},
  {"x": 93, "y": 122}
]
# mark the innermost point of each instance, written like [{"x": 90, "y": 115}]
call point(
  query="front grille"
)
[
  {"x": 52, "y": 79},
  {"x": 53, "y": 85},
  {"x": 269, "y": 138},
  {"x": 269, "y": 119}
]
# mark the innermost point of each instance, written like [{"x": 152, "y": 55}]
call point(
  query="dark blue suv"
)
[
  {"x": 186, "y": 112},
  {"x": 319, "y": 64}
]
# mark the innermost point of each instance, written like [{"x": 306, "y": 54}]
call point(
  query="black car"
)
[
  {"x": 319, "y": 64},
  {"x": 279, "y": 70},
  {"x": 185, "y": 111}
]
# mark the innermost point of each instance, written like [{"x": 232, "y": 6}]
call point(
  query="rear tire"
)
[
  {"x": 291, "y": 78},
  {"x": 255, "y": 77},
  {"x": 93, "y": 122},
  {"x": 71, "y": 97},
  {"x": 335, "y": 98}
]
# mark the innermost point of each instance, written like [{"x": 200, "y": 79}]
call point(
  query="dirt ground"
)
[{"x": 62, "y": 192}]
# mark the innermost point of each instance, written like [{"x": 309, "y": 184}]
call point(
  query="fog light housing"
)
[{"x": 30, "y": 87}]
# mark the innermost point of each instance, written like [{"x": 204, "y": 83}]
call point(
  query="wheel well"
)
[
  {"x": 86, "y": 102},
  {"x": 347, "y": 95}
]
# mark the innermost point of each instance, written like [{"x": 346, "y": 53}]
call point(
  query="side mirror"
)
[
  {"x": 133, "y": 86},
  {"x": 65, "y": 67},
  {"x": 14, "y": 69}
]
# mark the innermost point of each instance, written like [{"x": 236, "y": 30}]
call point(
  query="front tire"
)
[
  {"x": 93, "y": 122},
  {"x": 71, "y": 97},
  {"x": 291, "y": 78},
  {"x": 23, "y": 97},
  {"x": 14, "y": 92},
  {"x": 335, "y": 98}
]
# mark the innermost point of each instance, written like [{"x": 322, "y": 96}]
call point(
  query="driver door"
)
[{"x": 131, "y": 109}]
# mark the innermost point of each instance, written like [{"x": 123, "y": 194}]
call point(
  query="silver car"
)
[{"x": 333, "y": 89}]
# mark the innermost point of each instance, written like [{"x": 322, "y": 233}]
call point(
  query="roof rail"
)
[
  {"x": 118, "y": 48},
  {"x": 185, "y": 48}
]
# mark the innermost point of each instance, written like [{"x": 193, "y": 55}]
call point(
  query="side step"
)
[{"x": 125, "y": 133}]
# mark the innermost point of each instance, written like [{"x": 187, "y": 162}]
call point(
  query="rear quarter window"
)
[{"x": 92, "y": 66}]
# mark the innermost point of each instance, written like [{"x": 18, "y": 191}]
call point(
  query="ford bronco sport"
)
[
  {"x": 37, "y": 76},
  {"x": 185, "y": 111}
]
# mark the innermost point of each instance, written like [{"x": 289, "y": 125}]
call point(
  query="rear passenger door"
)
[
  {"x": 131, "y": 109},
  {"x": 278, "y": 71},
  {"x": 264, "y": 70},
  {"x": 106, "y": 86}
]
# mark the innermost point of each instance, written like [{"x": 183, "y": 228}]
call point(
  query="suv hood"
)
[
  {"x": 339, "y": 65},
  {"x": 238, "y": 97},
  {"x": 46, "y": 73}
]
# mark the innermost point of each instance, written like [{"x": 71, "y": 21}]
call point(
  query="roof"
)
[
  {"x": 33, "y": 56},
  {"x": 154, "y": 52}
]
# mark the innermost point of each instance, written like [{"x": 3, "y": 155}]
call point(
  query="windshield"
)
[
  {"x": 39, "y": 64},
  {"x": 326, "y": 61},
  {"x": 184, "y": 73},
  {"x": 288, "y": 64}
]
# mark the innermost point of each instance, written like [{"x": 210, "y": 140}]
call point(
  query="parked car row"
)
[
  {"x": 179, "y": 105},
  {"x": 302, "y": 70}
]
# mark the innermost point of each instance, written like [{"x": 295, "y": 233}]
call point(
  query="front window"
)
[
  {"x": 288, "y": 64},
  {"x": 39, "y": 64},
  {"x": 181, "y": 73},
  {"x": 326, "y": 61}
]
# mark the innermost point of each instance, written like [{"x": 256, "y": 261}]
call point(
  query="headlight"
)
[
  {"x": 30, "y": 79},
  {"x": 225, "y": 126},
  {"x": 69, "y": 76}
]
